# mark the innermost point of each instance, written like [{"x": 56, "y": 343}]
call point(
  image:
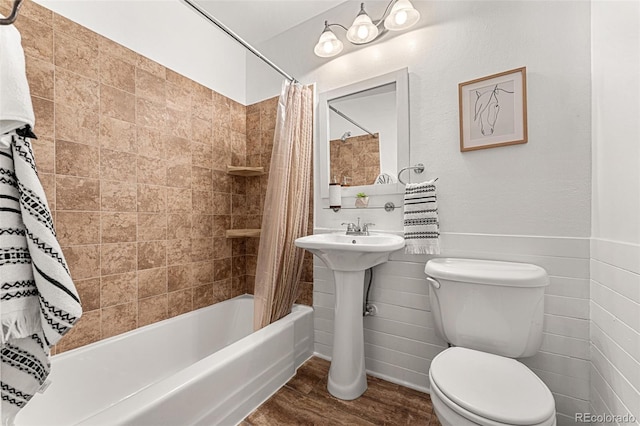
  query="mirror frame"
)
[{"x": 401, "y": 79}]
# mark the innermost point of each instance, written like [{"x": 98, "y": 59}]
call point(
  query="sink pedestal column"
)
[{"x": 347, "y": 377}]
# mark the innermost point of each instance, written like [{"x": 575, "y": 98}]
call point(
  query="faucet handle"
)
[
  {"x": 365, "y": 227},
  {"x": 350, "y": 226}
]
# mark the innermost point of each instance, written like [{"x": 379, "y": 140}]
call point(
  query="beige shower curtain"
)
[{"x": 286, "y": 207}]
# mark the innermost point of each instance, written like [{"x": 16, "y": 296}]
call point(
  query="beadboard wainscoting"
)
[
  {"x": 615, "y": 328},
  {"x": 400, "y": 341}
]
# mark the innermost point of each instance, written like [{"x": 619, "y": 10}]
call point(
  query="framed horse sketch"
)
[{"x": 493, "y": 110}]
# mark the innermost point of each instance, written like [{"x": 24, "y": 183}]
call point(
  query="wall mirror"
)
[{"x": 364, "y": 135}]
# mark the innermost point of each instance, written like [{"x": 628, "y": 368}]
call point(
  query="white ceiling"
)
[{"x": 259, "y": 20}]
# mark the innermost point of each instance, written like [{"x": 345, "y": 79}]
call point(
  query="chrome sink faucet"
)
[{"x": 356, "y": 229}]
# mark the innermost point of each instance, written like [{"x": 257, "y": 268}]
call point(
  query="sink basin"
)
[
  {"x": 349, "y": 256},
  {"x": 343, "y": 252}
]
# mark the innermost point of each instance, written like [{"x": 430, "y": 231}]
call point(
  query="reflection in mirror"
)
[
  {"x": 363, "y": 134},
  {"x": 355, "y": 160}
]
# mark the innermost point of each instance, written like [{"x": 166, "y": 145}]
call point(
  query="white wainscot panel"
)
[
  {"x": 624, "y": 309},
  {"x": 403, "y": 314},
  {"x": 606, "y": 400},
  {"x": 403, "y": 329},
  {"x": 324, "y": 300},
  {"x": 616, "y": 383},
  {"x": 620, "y": 280},
  {"x": 399, "y": 298},
  {"x": 396, "y": 374},
  {"x": 543, "y": 246},
  {"x": 559, "y": 364},
  {"x": 621, "y": 255},
  {"x": 562, "y": 345},
  {"x": 566, "y": 326},
  {"x": 568, "y": 287},
  {"x": 564, "y": 385},
  {"x": 619, "y": 332},
  {"x": 566, "y": 306},
  {"x": 402, "y": 269},
  {"x": 566, "y": 404},
  {"x": 323, "y": 313},
  {"x": 623, "y": 362},
  {"x": 401, "y": 359},
  {"x": 324, "y": 338},
  {"x": 409, "y": 346}
]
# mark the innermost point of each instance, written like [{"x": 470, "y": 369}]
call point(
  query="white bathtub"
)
[{"x": 203, "y": 368}]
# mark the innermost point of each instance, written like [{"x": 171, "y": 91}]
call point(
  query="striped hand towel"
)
[
  {"x": 421, "y": 226},
  {"x": 38, "y": 301}
]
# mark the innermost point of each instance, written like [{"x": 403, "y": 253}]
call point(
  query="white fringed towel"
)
[
  {"x": 38, "y": 301},
  {"x": 16, "y": 109},
  {"x": 421, "y": 225}
]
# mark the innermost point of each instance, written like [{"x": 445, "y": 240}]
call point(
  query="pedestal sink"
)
[{"x": 349, "y": 256}]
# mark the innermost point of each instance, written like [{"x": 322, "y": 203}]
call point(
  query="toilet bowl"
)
[{"x": 470, "y": 387}]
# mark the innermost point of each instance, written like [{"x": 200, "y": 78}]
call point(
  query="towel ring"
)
[
  {"x": 418, "y": 168},
  {"x": 13, "y": 15}
]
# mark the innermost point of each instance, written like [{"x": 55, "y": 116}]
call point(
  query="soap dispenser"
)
[{"x": 335, "y": 194}]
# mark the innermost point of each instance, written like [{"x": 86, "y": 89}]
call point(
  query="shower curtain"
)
[{"x": 286, "y": 207}]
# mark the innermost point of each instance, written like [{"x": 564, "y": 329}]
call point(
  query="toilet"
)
[{"x": 489, "y": 312}]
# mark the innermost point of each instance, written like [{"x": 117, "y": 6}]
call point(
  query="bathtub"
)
[{"x": 205, "y": 367}]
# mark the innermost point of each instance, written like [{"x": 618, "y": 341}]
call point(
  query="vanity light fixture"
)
[{"x": 363, "y": 30}]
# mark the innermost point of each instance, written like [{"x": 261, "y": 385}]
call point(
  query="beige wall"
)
[{"x": 132, "y": 157}]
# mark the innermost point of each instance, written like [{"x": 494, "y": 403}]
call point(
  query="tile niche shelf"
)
[
  {"x": 242, "y": 233},
  {"x": 245, "y": 171}
]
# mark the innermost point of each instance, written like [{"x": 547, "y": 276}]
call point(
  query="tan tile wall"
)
[
  {"x": 261, "y": 122},
  {"x": 357, "y": 157},
  {"x": 132, "y": 157}
]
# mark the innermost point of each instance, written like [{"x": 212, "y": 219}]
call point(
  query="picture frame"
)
[{"x": 493, "y": 110}]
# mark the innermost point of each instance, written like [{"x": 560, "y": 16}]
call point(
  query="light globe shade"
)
[
  {"x": 362, "y": 30},
  {"x": 328, "y": 45},
  {"x": 403, "y": 15}
]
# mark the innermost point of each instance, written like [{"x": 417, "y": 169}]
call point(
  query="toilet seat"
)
[{"x": 490, "y": 389}]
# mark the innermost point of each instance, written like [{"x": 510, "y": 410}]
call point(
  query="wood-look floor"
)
[{"x": 304, "y": 400}]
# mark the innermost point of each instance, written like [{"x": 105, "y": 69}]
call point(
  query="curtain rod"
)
[
  {"x": 349, "y": 119},
  {"x": 237, "y": 38}
]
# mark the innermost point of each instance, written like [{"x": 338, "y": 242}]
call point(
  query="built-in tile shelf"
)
[
  {"x": 242, "y": 233},
  {"x": 245, "y": 171}
]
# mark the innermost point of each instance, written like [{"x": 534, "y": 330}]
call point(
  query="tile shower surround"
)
[
  {"x": 357, "y": 159},
  {"x": 132, "y": 157}
]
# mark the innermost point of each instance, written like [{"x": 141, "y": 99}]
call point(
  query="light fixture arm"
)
[
  {"x": 386, "y": 11},
  {"x": 327, "y": 25}
]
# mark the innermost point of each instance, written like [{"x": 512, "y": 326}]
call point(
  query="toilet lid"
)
[{"x": 493, "y": 387}]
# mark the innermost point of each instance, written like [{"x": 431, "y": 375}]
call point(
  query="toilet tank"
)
[{"x": 490, "y": 306}]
